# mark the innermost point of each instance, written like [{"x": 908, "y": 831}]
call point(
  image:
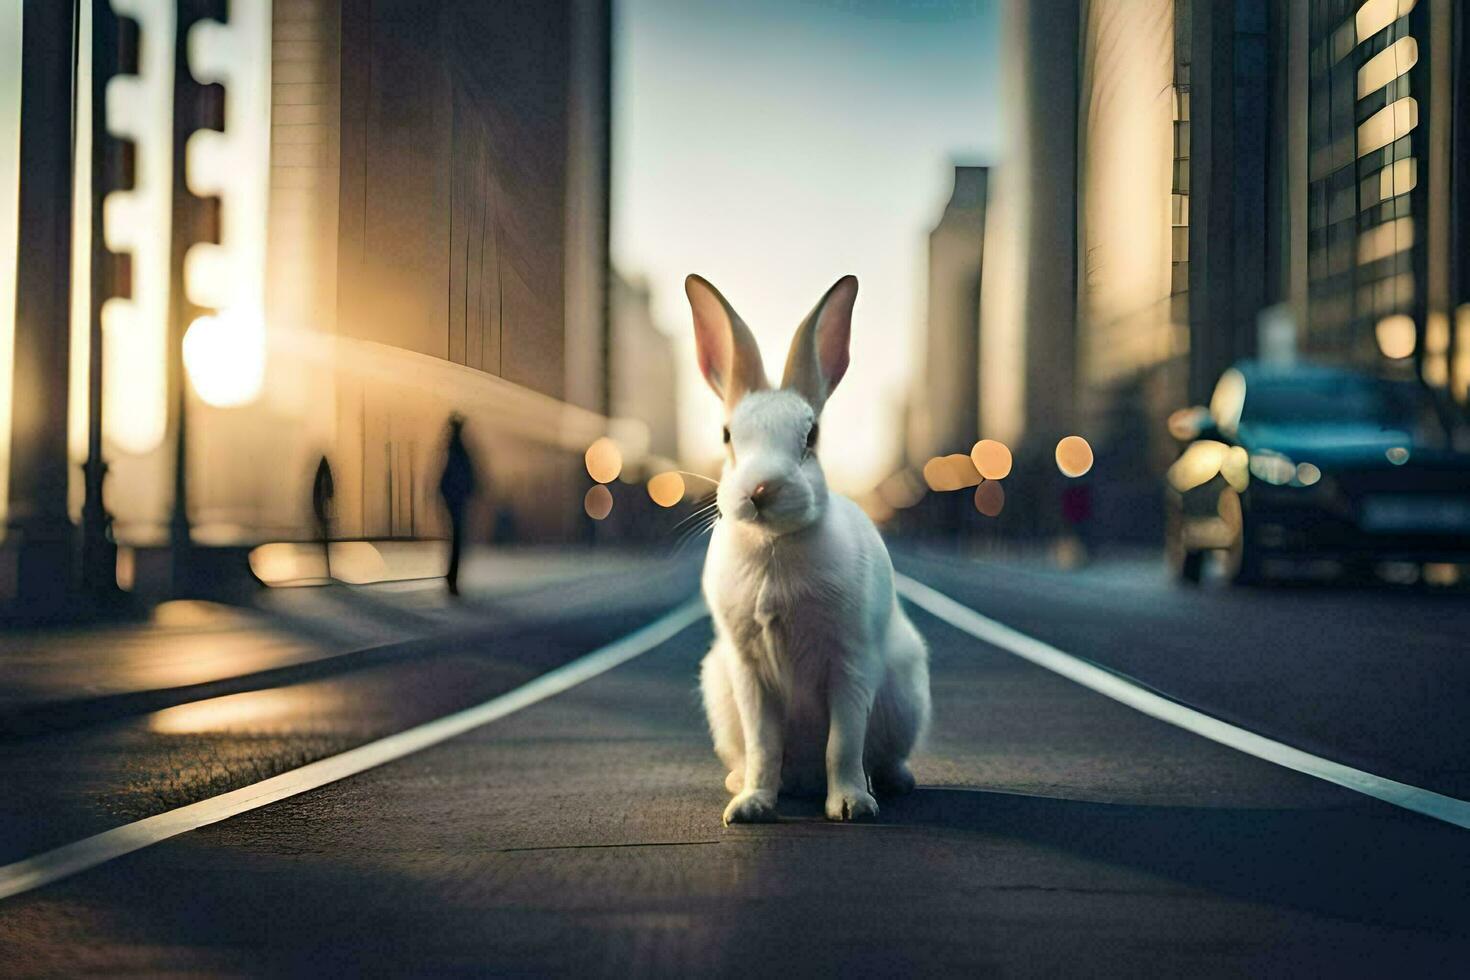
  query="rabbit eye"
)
[
  {"x": 727, "y": 435},
  {"x": 811, "y": 439}
]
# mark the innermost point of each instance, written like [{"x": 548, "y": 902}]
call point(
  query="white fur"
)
[{"x": 817, "y": 681}]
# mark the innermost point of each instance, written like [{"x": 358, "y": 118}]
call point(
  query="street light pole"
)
[
  {"x": 195, "y": 220},
  {"x": 99, "y": 552}
]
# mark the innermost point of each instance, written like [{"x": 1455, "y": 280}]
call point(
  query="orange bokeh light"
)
[
  {"x": 666, "y": 489},
  {"x": 1074, "y": 456},
  {"x": 604, "y": 461},
  {"x": 952, "y": 472},
  {"x": 992, "y": 459},
  {"x": 1396, "y": 335}
]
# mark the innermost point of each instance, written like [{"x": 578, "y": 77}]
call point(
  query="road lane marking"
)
[
  {"x": 69, "y": 859},
  {"x": 1125, "y": 691}
]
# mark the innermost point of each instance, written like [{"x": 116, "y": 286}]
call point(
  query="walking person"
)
[
  {"x": 323, "y": 490},
  {"x": 457, "y": 487}
]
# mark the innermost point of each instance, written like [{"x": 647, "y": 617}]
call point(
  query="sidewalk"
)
[{"x": 53, "y": 679}]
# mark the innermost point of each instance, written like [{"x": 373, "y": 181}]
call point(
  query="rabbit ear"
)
[
  {"x": 728, "y": 356},
  {"x": 818, "y": 357}
]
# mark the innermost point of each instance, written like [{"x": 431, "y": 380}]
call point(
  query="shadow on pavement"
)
[{"x": 1368, "y": 864}]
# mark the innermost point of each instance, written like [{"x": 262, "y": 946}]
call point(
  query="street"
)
[{"x": 1054, "y": 830}]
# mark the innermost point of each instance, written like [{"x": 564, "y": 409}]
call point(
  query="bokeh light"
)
[
  {"x": 666, "y": 489},
  {"x": 1272, "y": 467},
  {"x": 992, "y": 459},
  {"x": 604, "y": 462},
  {"x": 990, "y": 498},
  {"x": 1441, "y": 574},
  {"x": 1398, "y": 455},
  {"x": 1197, "y": 465},
  {"x": 598, "y": 503},
  {"x": 1236, "y": 468},
  {"x": 1396, "y": 336},
  {"x": 1187, "y": 423},
  {"x": 953, "y": 472},
  {"x": 936, "y": 474},
  {"x": 1228, "y": 507},
  {"x": 1074, "y": 456},
  {"x": 902, "y": 489},
  {"x": 1228, "y": 401}
]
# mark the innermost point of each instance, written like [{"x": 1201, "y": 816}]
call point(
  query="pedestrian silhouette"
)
[
  {"x": 322, "y": 491},
  {"x": 456, "y": 486}
]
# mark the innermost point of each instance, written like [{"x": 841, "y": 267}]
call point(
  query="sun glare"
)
[{"x": 225, "y": 358}]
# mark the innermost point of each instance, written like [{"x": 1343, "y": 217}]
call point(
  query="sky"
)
[{"x": 775, "y": 145}]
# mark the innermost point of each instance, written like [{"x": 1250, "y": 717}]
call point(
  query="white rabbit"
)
[{"x": 816, "y": 678}]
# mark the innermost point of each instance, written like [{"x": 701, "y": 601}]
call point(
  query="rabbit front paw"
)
[
  {"x": 851, "y": 803},
  {"x": 751, "y": 806}
]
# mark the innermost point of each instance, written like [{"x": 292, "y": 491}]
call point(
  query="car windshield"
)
[{"x": 1342, "y": 400}]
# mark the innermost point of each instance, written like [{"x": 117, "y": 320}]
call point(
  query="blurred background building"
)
[
  {"x": 642, "y": 370},
  {"x": 432, "y": 238},
  {"x": 943, "y": 416},
  {"x": 1191, "y": 183}
]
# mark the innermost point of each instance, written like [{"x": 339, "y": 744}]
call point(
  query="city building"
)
[
  {"x": 411, "y": 222},
  {"x": 1191, "y": 174},
  {"x": 944, "y": 408},
  {"x": 1028, "y": 296},
  {"x": 1386, "y": 172},
  {"x": 642, "y": 369},
  {"x": 1132, "y": 312}
]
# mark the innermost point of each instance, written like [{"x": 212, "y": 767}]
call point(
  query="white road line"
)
[
  {"x": 1108, "y": 684},
  {"x": 69, "y": 859}
]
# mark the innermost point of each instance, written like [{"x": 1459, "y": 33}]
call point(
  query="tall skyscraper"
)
[{"x": 944, "y": 410}]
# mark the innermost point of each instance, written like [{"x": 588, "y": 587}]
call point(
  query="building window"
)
[
  {"x": 1364, "y": 189},
  {"x": 1179, "y": 199}
]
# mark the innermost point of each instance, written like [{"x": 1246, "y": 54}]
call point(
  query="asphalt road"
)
[
  {"x": 1378, "y": 678},
  {"x": 1054, "y": 830}
]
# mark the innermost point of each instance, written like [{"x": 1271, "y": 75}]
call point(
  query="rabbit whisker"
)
[
  {"x": 695, "y": 517},
  {"x": 698, "y": 476},
  {"x": 695, "y": 531}
]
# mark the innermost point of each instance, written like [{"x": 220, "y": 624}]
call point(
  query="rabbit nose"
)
[{"x": 762, "y": 493}]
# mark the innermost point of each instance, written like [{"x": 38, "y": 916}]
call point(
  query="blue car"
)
[{"x": 1308, "y": 463}]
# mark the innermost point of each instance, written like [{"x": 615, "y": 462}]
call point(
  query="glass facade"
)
[
  {"x": 1365, "y": 214},
  {"x": 1179, "y": 199}
]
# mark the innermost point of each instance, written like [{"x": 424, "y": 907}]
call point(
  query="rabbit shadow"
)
[{"x": 1365, "y": 863}]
